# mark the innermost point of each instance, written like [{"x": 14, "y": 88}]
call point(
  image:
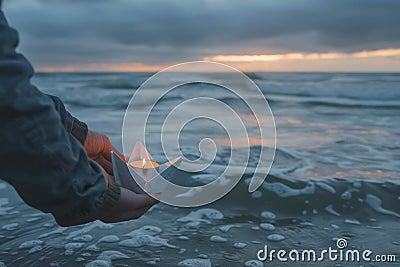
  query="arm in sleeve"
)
[
  {"x": 46, "y": 164},
  {"x": 74, "y": 126}
]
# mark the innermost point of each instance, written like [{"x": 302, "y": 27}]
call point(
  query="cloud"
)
[{"x": 64, "y": 32}]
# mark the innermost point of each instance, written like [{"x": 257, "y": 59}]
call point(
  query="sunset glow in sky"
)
[
  {"x": 331, "y": 61},
  {"x": 258, "y": 35}
]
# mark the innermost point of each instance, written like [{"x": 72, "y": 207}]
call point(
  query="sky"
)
[{"x": 250, "y": 35}]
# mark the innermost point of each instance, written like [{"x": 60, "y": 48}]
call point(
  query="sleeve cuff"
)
[
  {"x": 79, "y": 130},
  {"x": 107, "y": 201},
  {"x": 111, "y": 196}
]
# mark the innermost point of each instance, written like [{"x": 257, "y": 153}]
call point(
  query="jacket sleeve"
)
[
  {"x": 39, "y": 156},
  {"x": 73, "y": 126}
]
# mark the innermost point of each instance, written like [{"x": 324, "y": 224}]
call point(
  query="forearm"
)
[
  {"x": 40, "y": 158},
  {"x": 108, "y": 204},
  {"x": 74, "y": 126}
]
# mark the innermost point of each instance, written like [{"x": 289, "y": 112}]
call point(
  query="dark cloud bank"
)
[{"x": 59, "y": 32}]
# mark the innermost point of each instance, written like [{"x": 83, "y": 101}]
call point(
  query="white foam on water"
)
[
  {"x": 89, "y": 227},
  {"x": 193, "y": 225},
  {"x": 314, "y": 211},
  {"x": 331, "y": 210},
  {"x": 253, "y": 263},
  {"x": 151, "y": 262},
  {"x": 256, "y": 194},
  {"x": 108, "y": 239},
  {"x": 195, "y": 218},
  {"x": 352, "y": 221},
  {"x": 59, "y": 230},
  {"x": 10, "y": 226},
  {"x": 99, "y": 263},
  {"x": 191, "y": 192},
  {"x": 145, "y": 230},
  {"x": 83, "y": 238},
  {"x": 204, "y": 178},
  {"x": 346, "y": 195},
  {"x": 34, "y": 219},
  {"x": 30, "y": 244},
  {"x": 275, "y": 237},
  {"x": 2, "y": 264},
  {"x": 374, "y": 226},
  {"x": 4, "y": 210},
  {"x": 70, "y": 248},
  {"x": 48, "y": 225},
  {"x": 334, "y": 226},
  {"x": 36, "y": 214},
  {"x": 104, "y": 239},
  {"x": 268, "y": 215},
  {"x": 56, "y": 263},
  {"x": 267, "y": 226},
  {"x": 283, "y": 190},
  {"x": 145, "y": 240},
  {"x": 80, "y": 259},
  {"x": 110, "y": 255},
  {"x": 195, "y": 263},
  {"x": 239, "y": 245},
  {"x": 326, "y": 187},
  {"x": 218, "y": 239},
  {"x": 203, "y": 256},
  {"x": 307, "y": 224},
  {"x": 226, "y": 228},
  {"x": 376, "y": 203},
  {"x": 255, "y": 228},
  {"x": 35, "y": 249},
  {"x": 183, "y": 238},
  {"x": 93, "y": 248}
]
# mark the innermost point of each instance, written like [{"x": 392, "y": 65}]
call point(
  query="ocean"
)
[{"x": 336, "y": 175}]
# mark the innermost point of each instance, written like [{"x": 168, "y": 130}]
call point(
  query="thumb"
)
[{"x": 107, "y": 165}]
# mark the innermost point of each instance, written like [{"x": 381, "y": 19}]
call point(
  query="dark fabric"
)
[
  {"x": 74, "y": 126},
  {"x": 79, "y": 130},
  {"x": 39, "y": 156}
]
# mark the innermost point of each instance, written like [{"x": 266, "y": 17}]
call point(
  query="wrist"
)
[
  {"x": 111, "y": 194},
  {"x": 79, "y": 130}
]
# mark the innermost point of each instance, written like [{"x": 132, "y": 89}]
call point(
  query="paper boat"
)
[{"x": 141, "y": 178}]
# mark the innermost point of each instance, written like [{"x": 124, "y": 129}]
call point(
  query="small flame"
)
[{"x": 144, "y": 162}]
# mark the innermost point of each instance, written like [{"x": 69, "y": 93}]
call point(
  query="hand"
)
[
  {"x": 129, "y": 207},
  {"x": 98, "y": 147}
]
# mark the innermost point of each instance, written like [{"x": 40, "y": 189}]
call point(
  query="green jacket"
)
[{"x": 41, "y": 152}]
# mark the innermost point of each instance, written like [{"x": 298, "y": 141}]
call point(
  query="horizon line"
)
[{"x": 263, "y": 71}]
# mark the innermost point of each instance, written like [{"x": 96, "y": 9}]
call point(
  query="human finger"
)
[
  {"x": 108, "y": 148},
  {"x": 107, "y": 165}
]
